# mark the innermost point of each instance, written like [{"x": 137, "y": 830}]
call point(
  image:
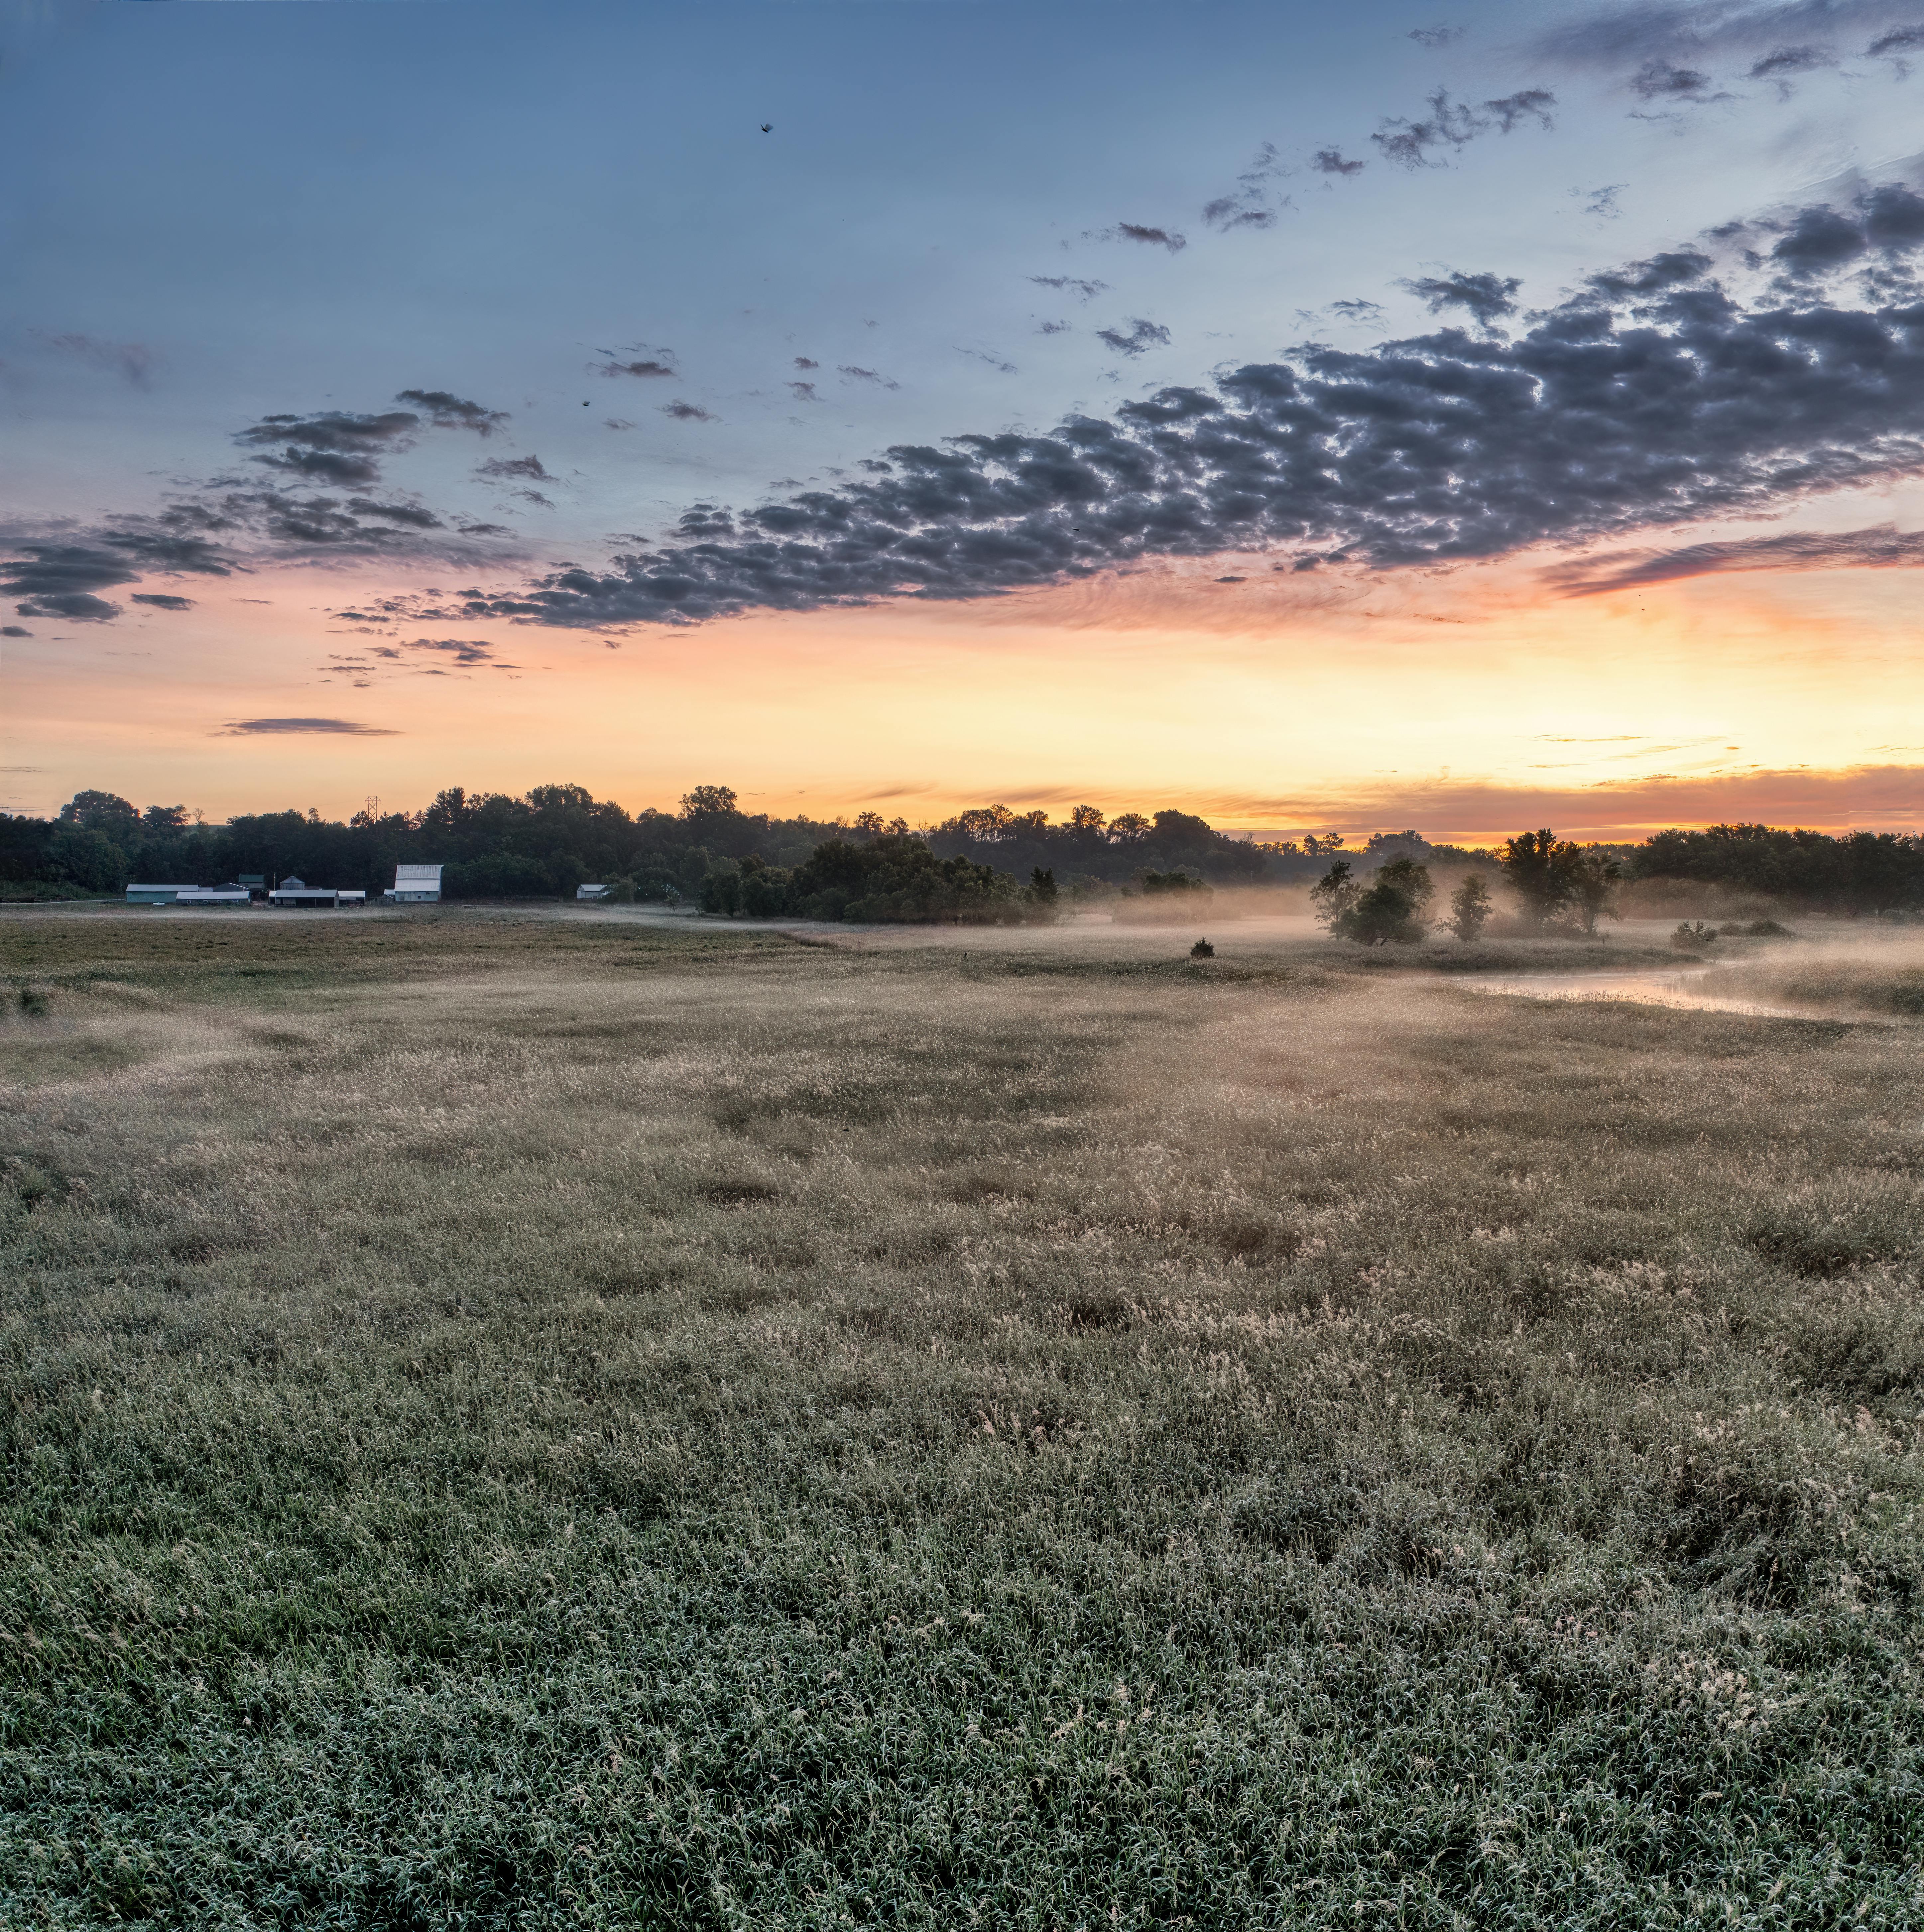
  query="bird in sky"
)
[{"x": 768, "y": 126}]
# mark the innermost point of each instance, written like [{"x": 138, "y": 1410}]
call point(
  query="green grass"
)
[{"x": 524, "y": 1423}]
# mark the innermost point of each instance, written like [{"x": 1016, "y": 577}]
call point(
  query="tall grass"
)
[{"x": 533, "y": 1425}]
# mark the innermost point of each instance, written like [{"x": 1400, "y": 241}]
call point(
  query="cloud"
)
[
  {"x": 804, "y": 392},
  {"x": 1899, "y": 41},
  {"x": 692, "y": 412},
  {"x": 1248, "y": 205},
  {"x": 451, "y": 412},
  {"x": 13, "y": 630},
  {"x": 806, "y": 362},
  {"x": 1786, "y": 60},
  {"x": 1486, "y": 296},
  {"x": 161, "y": 602},
  {"x": 1600, "y": 201},
  {"x": 662, "y": 363},
  {"x": 1669, "y": 51},
  {"x": 334, "y": 446},
  {"x": 133, "y": 360},
  {"x": 1434, "y": 37},
  {"x": 1137, "y": 231},
  {"x": 1354, "y": 308},
  {"x": 1072, "y": 284},
  {"x": 1142, "y": 336},
  {"x": 995, "y": 362},
  {"x": 1330, "y": 161},
  {"x": 1053, "y": 328},
  {"x": 857, "y": 374},
  {"x": 412, "y": 515},
  {"x": 1453, "y": 124},
  {"x": 58, "y": 580},
  {"x": 341, "y": 728},
  {"x": 1882, "y": 548},
  {"x": 462, "y": 650},
  {"x": 1650, "y": 399},
  {"x": 499, "y": 468}
]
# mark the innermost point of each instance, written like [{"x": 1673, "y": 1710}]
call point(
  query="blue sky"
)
[{"x": 216, "y": 213}]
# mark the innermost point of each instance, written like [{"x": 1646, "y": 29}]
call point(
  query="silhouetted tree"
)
[{"x": 1331, "y": 897}]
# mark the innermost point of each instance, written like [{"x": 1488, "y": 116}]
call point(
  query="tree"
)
[
  {"x": 87, "y": 857},
  {"x": 1130, "y": 829},
  {"x": 1538, "y": 867},
  {"x": 1392, "y": 911},
  {"x": 1042, "y": 887},
  {"x": 707, "y": 802},
  {"x": 100, "y": 811},
  {"x": 1085, "y": 818},
  {"x": 1469, "y": 909},
  {"x": 1332, "y": 895},
  {"x": 1593, "y": 881},
  {"x": 869, "y": 824}
]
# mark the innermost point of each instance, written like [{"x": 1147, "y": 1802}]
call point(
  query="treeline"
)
[
  {"x": 556, "y": 837},
  {"x": 988, "y": 862}
]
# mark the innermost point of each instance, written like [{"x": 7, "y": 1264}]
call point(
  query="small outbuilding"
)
[
  {"x": 231, "y": 894},
  {"x": 157, "y": 895},
  {"x": 301, "y": 896},
  {"x": 414, "y": 885},
  {"x": 592, "y": 892}
]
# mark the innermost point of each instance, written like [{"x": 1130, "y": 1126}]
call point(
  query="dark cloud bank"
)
[{"x": 1652, "y": 398}]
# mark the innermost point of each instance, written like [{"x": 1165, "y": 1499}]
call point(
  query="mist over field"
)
[{"x": 528, "y": 1418}]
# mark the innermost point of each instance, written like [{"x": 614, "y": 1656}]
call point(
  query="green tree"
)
[{"x": 1469, "y": 909}]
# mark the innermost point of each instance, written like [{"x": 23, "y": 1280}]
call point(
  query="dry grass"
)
[{"x": 549, "y": 1424}]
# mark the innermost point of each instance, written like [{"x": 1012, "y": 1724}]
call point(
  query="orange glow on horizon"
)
[{"x": 1467, "y": 703}]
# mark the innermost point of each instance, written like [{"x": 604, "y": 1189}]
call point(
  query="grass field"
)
[{"x": 524, "y": 1422}]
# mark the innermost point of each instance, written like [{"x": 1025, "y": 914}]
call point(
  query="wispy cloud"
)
[
  {"x": 1139, "y": 337},
  {"x": 1884, "y": 547},
  {"x": 132, "y": 361},
  {"x": 1076, "y": 285},
  {"x": 276, "y": 727}
]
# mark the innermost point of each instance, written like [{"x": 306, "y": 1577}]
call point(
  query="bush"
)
[
  {"x": 1693, "y": 936},
  {"x": 1203, "y": 949}
]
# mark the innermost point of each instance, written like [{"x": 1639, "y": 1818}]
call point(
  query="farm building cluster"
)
[{"x": 414, "y": 885}]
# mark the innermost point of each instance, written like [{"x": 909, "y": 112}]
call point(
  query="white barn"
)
[{"x": 414, "y": 885}]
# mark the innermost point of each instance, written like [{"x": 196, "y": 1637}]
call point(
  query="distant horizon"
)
[{"x": 1529, "y": 811}]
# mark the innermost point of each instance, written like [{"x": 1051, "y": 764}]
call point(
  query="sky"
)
[{"x": 1463, "y": 417}]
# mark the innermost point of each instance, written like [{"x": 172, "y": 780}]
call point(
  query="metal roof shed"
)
[{"x": 297, "y": 893}]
